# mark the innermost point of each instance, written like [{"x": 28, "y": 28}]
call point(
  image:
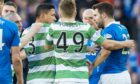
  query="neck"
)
[
  {"x": 67, "y": 19},
  {"x": 108, "y": 20},
  {"x": 37, "y": 20}
]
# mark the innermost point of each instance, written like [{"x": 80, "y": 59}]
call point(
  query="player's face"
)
[
  {"x": 98, "y": 18},
  {"x": 87, "y": 16},
  {"x": 8, "y": 9},
  {"x": 50, "y": 16},
  {"x": 18, "y": 21}
]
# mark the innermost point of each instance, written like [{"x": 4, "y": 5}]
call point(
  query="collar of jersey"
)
[
  {"x": 66, "y": 21},
  {"x": 113, "y": 22}
]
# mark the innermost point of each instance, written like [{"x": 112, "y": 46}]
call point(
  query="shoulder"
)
[
  {"x": 8, "y": 25},
  {"x": 5, "y": 22}
]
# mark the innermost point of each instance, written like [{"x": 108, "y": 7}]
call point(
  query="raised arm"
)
[{"x": 34, "y": 29}]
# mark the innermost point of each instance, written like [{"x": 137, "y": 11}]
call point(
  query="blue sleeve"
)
[{"x": 16, "y": 39}]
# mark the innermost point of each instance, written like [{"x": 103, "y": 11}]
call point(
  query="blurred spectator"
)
[
  {"x": 9, "y": 7},
  {"x": 133, "y": 66},
  {"x": 15, "y": 18}
]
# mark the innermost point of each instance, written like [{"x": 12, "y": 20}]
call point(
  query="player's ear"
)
[
  {"x": 104, "y": 15},
  {"x": 42, "y": 15}
]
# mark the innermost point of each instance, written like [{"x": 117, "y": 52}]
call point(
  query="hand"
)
[
  {"x": 90, "y": 68},
  {"x": 93, "y": 23},
  {"x": 130, "y": 44},
  {"x": 93, "y": 48},
  {"x": 20, "y": 82}
]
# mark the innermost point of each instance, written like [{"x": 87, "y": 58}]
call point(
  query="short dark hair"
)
[
  {"x": 104, "y": 7},
  {"x": 68, "y": 7},
  {"x": 10, "y": 3},
  {"x": 43, "y": 8}
]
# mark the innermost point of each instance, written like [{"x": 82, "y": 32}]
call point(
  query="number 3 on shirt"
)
[{"x": 1, "y": 44}]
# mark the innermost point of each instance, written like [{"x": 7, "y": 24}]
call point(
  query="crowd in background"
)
[{"x": 126, "y": 11}]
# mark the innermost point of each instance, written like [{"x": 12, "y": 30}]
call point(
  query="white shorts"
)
[{"x": 117, "y": 78}]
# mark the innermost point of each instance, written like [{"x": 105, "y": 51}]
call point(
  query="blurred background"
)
[{"x": 126, "y": 11}]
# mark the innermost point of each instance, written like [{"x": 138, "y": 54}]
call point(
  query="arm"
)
[
  {"x": 34, "y": 29},
  {"x": 22, "y": 54},
  {"x": 101, "y": 57},
  {"x": 90, "y": 67},
  {"x": 17, "y": 64},
  {"x": 49, "y": 40},
  {"x": 110, "y": 44},
  {"x": 114, "y": 45}
]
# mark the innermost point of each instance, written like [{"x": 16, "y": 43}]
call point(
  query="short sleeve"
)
[
  {"x": 97, "y": 38},
  {"x": 16, "y": 38}
]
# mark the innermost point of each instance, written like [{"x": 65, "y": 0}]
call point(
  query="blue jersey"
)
[
  {"x": 8, "y": 38},
  {"x": 116, "y": 61},
  {"x": 96, "y": 73}
]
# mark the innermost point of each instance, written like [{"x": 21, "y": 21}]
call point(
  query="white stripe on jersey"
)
[
  {"x": 41, "y": 81},
  {"x": 68, "y": 28},
  {"x": 71, "y": 81},
  {"x": 70, "y": 56},
  {"x": 41, "y": 56},
  {"x": 44, "y": 30},
  {"x": 62, "y": 67},
  {"x": 50, "y": 67}
]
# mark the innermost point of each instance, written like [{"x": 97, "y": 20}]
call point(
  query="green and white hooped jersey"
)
[
  {"x": 41, "y": 61},
  {"x": 69, "y": 40}
]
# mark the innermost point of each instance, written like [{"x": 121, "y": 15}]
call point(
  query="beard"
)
[
  {"x": 101, "y": 25},
  {"x": 100, "y": 22}
]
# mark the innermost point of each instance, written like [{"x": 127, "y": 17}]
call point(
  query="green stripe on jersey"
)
[
  {"x": 100, "y": 40},
  {"x": 71, "y": 74},
  {"x": 71, "y": 49},
  {"x": 40, "y": 36},
  {"x": 46, "y": 61},
  {"x": 38, "y": 50}
]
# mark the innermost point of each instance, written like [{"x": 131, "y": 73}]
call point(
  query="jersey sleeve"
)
[
  {"x": 16, "y": 38},
  {"x": 95, "y": 36},
  {"x": 109, "y": 34},
  {"x": 49, "y": 38}
]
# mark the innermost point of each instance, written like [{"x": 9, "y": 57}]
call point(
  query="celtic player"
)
[{"x": 41, "y": 61}]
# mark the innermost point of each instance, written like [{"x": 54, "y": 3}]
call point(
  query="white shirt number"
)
[{"x": 1, "y": 44}]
